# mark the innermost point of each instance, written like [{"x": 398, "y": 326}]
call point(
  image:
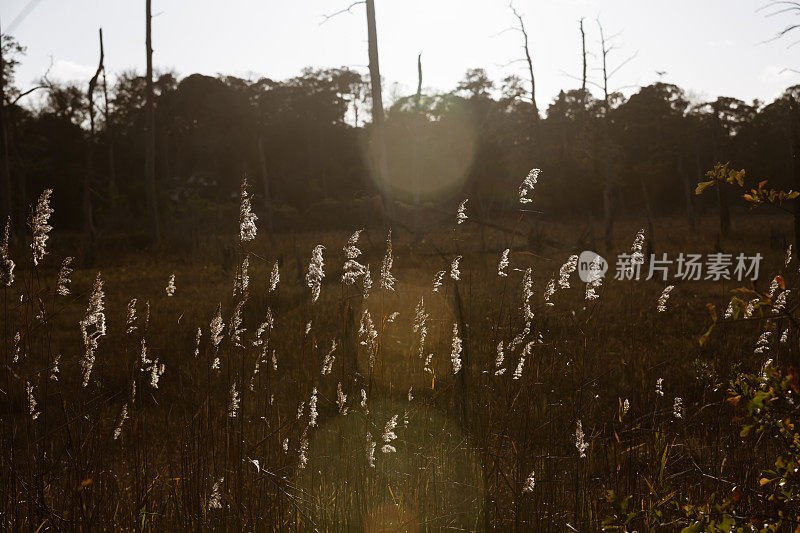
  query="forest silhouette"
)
[{"x": 303, "y": 143}]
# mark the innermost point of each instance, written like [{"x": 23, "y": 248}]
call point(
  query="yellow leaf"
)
[
  {"x": 706, "y": 335},
  {"x": 737, "y": 176},
  {"x": 703, "y": 185},
  {"x": 744, "y": 290}
]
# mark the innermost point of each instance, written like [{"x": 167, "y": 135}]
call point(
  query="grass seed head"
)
[
  {"x": 502, "y": 266},
  {"x": 247, "y": 219},
  {"x": 38, "y": 223},
  {"x": 387, "y": 280},
  {"x": 315, "y": 273},
  {"x": 461, "y": 216},
  {"x": 62, "y": 284},
  {"x": 6, "y": 264}
]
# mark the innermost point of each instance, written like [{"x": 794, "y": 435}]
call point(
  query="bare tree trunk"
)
[
  {"x": 608, "y": 220},
  {"x": 22, "y": 186},
  {"x": 583, "y": 79},
  {"x": 165, "y": 172},
  {"x": 724, "y": 210},
  {"x": 722, "y": 197},
  {"x": 419, "y": 119},
  {"x": 419, "y": 81},
  {"x": 698, "y": 169},
  {"x": 322, "y": 172},
  {"x": 529, "y": 60},
  {"x": 112, "y": 172},
  {"x": 719, "y": 152},
  {"x": 150, "y": 136},
  {"x": 262, "y": 160},
  {"x": 88, "y": 177},
  {"x": 5, "y": 165},
  {"x": 649, "y": 215},
  {"x": 688, "y": 195},
  {"x": 378, "y": 136},
  {"x": 417, "y": 100},
  {"x": 606, "y": 49}
]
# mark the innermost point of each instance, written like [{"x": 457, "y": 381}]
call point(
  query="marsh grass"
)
[{"x": 466, "y": 445}]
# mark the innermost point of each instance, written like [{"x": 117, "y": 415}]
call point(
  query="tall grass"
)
[{"x": 473, "y": 386}]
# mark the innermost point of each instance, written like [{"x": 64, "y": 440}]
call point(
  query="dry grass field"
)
[{"x": 239, "y": 402}]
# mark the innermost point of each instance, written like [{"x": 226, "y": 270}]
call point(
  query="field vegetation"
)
[{"x": 331, "y": 380}]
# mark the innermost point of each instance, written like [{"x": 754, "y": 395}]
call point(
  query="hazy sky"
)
[{"x": 708, "y": 47}]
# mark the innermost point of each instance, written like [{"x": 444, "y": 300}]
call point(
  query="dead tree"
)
[
  {"x": 262, "y": 160},
  {"x": 608, "y": 220},
  {"x": 150, "y": 135},
  {"x": 419, "y": 81},
  {"x": 417, "y": 110},
  {"x": 648, "y": 213},
  {"x": 378, "y": 130},
  {"x": 780, "y": 7},
  {"x": 583, "y": 78},
  {"x": 5, "y": 165},
  {"x": 608, "y": 214},
  {"x": 112, "y": 173},
  {"x": 379, "y": 158},
  {"x": 525, "y": 45},
  {"x": 688, "y": 194},
  {"x": 418, "y": 122},
  {"x": 88, "y": 177},
  {"x": 719, "y": 151}
]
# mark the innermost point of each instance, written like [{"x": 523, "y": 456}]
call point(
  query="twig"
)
[{"x": 348, "y": 9}]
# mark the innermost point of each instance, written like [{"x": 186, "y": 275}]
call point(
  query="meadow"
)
[{"x": 321, "y": 380}]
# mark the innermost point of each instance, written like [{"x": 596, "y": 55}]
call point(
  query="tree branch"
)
[
  {"x": 509, "y": 63},
  {"x": 348, "y": 9},
  {"x": 528, "y": 58},
  {"x": 623, "y": 63},
  {"x": 498, "y": 34},
  {"x": 46, "y": 85}
]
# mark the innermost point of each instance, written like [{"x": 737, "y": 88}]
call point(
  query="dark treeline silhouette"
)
[{"x": 303, "y": 143}]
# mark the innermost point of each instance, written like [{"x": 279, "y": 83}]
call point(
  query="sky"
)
[{"x": 707, "y": 47}]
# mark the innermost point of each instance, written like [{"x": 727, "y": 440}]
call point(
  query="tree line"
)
[{"x": 305, "y": 144}]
